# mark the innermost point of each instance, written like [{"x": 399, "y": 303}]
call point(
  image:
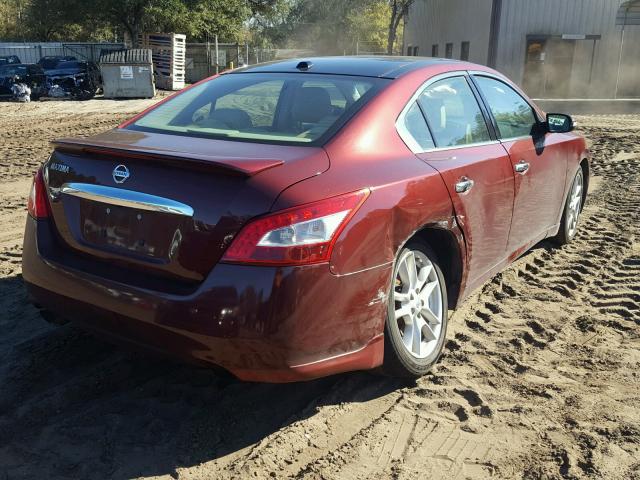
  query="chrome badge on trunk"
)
[{"x": 120, "y": 174}]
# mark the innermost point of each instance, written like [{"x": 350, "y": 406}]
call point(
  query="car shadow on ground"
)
[{"x": 72, "y": 405}]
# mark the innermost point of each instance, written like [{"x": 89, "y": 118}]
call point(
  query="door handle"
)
[
  {"x": 464, "y": 185},
  {"x": 521, "y": 167}
]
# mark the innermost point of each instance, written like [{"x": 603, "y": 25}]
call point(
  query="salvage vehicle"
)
[
  {"x": 9, "y": 59},
  {"x": 72, "y": 78},
  {"x": 30, "y": 75},
  {"x": 49, "y": 62},
  {"x": 296, "y": 219}
]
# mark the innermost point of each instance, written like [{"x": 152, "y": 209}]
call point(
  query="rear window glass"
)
[
  {"x": 71, "y": 64},
  {"x": 263, "y": 107},
  {"x": 13, "y": 69},
  {"x": 48, "y": 63}
]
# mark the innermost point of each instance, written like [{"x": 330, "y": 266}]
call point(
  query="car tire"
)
[
  {"x": 419, "y": 308},
  {"x": 571, "y": 211}
]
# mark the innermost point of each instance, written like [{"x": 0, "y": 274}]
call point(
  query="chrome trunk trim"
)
[{"x": 126, "y": 198}]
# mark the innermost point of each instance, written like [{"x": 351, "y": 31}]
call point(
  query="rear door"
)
[
  {"x": 473, "y": 165},
  {"x": 538, "y": 160}
]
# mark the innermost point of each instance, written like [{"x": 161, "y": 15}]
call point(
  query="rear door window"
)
[
  {"x": 453, "y": 113},
  {"x": 415, "y": 126},
  {"x": 513, "y": 115}
]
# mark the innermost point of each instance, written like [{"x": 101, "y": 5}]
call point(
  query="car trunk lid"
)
[{"x": 164, "y": 204}]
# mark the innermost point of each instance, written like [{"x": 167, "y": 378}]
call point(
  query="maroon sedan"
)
[{"x": 297, "y": 219}]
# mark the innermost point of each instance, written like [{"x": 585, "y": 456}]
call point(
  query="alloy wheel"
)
[
  {"x": 575, "y": 204},
  {"x": 418, "y": 303}
]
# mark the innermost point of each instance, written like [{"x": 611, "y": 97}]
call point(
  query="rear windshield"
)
[
  {"x": 13, "y": 69},
  {"x": 299, "y": 108},
  {"x": 68, "y": 65},
  {"x": 6, "y": 60},
  {"x": 49, "y": 63}
]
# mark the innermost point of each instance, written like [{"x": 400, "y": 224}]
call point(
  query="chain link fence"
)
[
  {"x": 206, "y": 59},
  {"x": 202, "y": 59}
]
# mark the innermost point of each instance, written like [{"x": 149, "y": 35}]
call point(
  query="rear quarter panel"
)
[{"x": 406, "y": 193}]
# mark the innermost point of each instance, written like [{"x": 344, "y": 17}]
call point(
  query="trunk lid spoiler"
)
[{"x": 239, "y": 165}]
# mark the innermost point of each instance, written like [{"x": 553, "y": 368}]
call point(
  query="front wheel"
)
[
  {"x": 572, "y": 209},
  {"x": 417, "y": 315}
]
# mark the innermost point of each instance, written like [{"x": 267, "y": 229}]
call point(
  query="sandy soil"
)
[{"x": 540, "y": 378}]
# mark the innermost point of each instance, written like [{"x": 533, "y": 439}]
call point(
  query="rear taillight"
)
[
  {"x": 297, "y": 236},
  {"x": 37, "y": 205}
]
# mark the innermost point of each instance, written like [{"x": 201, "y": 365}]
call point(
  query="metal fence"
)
[
  {"x": 202, "y": 59},
  {"x": 206, "y": 59},
  {"x": 32, "y": 52}
]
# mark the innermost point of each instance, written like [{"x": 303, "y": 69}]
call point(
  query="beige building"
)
[{"x": 552, "y": 48}]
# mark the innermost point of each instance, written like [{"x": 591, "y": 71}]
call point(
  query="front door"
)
[
  {"x": 475, "y": 168},
  {"x": 480, "y": 184},
  {"x": 538, "y": 160}
]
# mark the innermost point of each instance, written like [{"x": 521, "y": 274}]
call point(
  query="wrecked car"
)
[
  {"x": 9, "y": 59},
  {"x": 71, "y": 78},
  {"x": 301, "y": 218},
  {"x": 50, "y": 62},
  {"x": 29, "y": 75}
]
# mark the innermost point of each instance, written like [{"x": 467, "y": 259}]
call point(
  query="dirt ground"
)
[{"x": 540, "y": 378}]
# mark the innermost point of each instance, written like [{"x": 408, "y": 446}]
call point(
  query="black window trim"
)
[{"x": 494, "y": 123}]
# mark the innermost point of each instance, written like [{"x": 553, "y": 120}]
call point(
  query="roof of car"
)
[{"x": 376, "y": 66}]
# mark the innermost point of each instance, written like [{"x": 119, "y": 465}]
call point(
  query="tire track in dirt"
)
[
  {"x": 539, "y": 377},
  {"x": 28, "y": 129},
  {"x": 546, "y": 307},
  {"x": 25, "y": 141}
]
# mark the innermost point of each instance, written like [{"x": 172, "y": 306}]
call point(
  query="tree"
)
[
  {"x": 198, "y": 19},
  {"x": 399, "y": 9},
  {"x": 48, "y": 20},
  {"x": 12, "y": 17},
  {"x": 130, "y": 14},
  {"x": 225, "y": 18},
  {"x": 325, "y": 26},
  {"x": 271, "y": 26},
  {"x": 262, "y": 6},
  {"x": 368, "y": 27}
]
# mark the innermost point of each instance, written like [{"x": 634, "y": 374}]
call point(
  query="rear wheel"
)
[
  {"x": 417, "y": 313},
  {"x": 572, "y": 209}
]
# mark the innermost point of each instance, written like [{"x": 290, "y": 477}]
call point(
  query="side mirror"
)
[{"x": 559, "y": 123}]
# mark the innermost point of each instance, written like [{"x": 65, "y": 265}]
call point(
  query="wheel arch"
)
[
  {"x": 448, "y": 246},
  {"x": 586, "y": 172}
]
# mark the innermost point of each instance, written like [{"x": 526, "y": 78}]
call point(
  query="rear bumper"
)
[{"x": 274, "y": 324}]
